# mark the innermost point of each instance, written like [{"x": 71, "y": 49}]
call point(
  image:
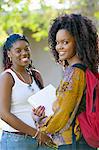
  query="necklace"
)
[{"x": 21, "y": 77}]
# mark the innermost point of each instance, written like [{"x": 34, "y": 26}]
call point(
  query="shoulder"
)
[
  {"x": 37, "y": 73},
  {"x": 79, "y": 75},
  {"x": 78, "y": 71},
  {"x": 6, "y": 77},
  {"x": 73, "y": 73},
  {"x": 37, "y": 76}
]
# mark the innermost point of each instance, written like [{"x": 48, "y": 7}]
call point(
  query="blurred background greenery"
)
[{"x": 35, "y": 15}]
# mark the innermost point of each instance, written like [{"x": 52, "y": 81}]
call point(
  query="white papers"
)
[{"x": 44, "y": 97}]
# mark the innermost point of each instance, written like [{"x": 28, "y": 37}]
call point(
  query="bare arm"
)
[{"x": 6, "y": 84}]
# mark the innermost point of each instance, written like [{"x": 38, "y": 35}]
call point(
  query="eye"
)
[
  {"x": 65, "y": 42},
  {"x": 27, "y": 49},
  {"x": 18, "y": 50}
]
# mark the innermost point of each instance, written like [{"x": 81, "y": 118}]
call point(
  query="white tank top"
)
[{"x": 19, "y": 105}]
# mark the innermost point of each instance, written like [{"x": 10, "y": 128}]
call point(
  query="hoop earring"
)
[
  {"x": 77, "y": 54},
  {"x": 10, "y": 59}
]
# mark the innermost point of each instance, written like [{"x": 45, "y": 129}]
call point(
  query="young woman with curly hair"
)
[{"x": 73, "y": 42}]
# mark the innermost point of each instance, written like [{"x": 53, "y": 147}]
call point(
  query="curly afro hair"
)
[{"x": 85, "y": 34}]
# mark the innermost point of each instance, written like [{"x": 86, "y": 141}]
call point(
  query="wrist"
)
[{"x": 36, "y": 134}]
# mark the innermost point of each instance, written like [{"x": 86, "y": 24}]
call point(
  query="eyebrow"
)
[
  {"x": 24, "y": 47},
  {"x": 63, "y": 40}
]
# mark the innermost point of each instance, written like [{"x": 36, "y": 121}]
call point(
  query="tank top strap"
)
[{"x": 12, "y": 73}]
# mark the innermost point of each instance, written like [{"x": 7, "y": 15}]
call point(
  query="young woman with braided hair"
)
[
  {"x": 73, "y": 42},
  {"x": 19, "y": 81}
]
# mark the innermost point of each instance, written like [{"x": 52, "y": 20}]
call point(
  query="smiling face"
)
[
  {"x": 20, "y": 53},
  {"x": 65, "y": 45}
]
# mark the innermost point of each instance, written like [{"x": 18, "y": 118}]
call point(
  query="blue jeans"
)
[{"x": 12, "y": 141}]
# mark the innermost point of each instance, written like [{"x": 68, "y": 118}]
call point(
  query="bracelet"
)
[{"x": 36, "y": 134}]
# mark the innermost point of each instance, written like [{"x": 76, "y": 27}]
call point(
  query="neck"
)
[
  {"x": 74, "y": 60},
  {"x": 19, "y": 69},
  {"x": 22, "y": 74}
]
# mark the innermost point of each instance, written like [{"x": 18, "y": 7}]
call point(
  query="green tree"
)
[
  {"x": 20, "y": 15},
  {"x": 16, "y": 16}
]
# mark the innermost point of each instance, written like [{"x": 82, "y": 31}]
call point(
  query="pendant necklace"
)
[{"x": 21, "y": 77}]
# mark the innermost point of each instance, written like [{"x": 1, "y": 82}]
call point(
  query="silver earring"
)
[
  {"x": 10, "y": 59},
  {"x": 77, "y": 54}
]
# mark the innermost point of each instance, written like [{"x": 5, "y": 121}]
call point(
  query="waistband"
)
[{"x": 19, "y": 133}]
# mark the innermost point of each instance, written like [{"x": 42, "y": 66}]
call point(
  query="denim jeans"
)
[{"x": 12, "y": 141}]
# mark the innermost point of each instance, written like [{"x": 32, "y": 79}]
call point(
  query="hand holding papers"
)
[{"x": 44, "y": 97}]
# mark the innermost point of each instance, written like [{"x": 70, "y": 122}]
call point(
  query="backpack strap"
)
[
  {"x": 81, "y": 66},
  {"x": 73, "y": 136}
]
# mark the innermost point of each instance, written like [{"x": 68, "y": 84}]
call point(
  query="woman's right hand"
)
[{"x": 39, "y": 111}]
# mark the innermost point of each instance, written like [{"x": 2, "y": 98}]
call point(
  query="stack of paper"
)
[{"x": 44, "y": 97}]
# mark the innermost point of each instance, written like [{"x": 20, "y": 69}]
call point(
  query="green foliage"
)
[
  {"x": 16, "y": 15},
  {"x": 96, "y": 14}
]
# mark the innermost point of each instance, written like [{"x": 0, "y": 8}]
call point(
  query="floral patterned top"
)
[{"x": 69, "y": 95}]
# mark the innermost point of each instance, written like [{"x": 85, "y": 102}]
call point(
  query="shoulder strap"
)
[
  {"x": 81, "y": 66},
  {"x": 12, "y": 73}
]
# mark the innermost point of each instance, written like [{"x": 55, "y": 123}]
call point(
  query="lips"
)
[
  {"x": 61, "y": 53},
  {"x": 25, "y": 59}
]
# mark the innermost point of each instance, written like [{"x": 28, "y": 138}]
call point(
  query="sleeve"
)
[{"x": 66, "y": 100}]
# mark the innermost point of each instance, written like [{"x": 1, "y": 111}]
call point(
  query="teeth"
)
[
  {"x": 24, "y": 59},
  {"x": 61, "y": 53}
]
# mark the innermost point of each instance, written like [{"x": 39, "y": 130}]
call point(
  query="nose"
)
[
  {"x": 24, "y": 52},
  {"x": 59, "y": 47}
]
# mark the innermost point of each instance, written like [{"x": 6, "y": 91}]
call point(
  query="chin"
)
[
  {"x": 62, "y": 59},
  {"x": 25, "y": 64}
]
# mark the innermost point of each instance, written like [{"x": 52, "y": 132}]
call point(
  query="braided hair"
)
[
  {"x": 6, "y": 60},
  {"x": 85, "y": 34},
  {"x": 7, "y": 46}
]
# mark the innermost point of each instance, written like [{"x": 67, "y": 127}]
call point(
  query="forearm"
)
[
  {"x": 22, "y": 127},
  {"x": 17, "y": 124},
  {"x": 54, "y": 123}
]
